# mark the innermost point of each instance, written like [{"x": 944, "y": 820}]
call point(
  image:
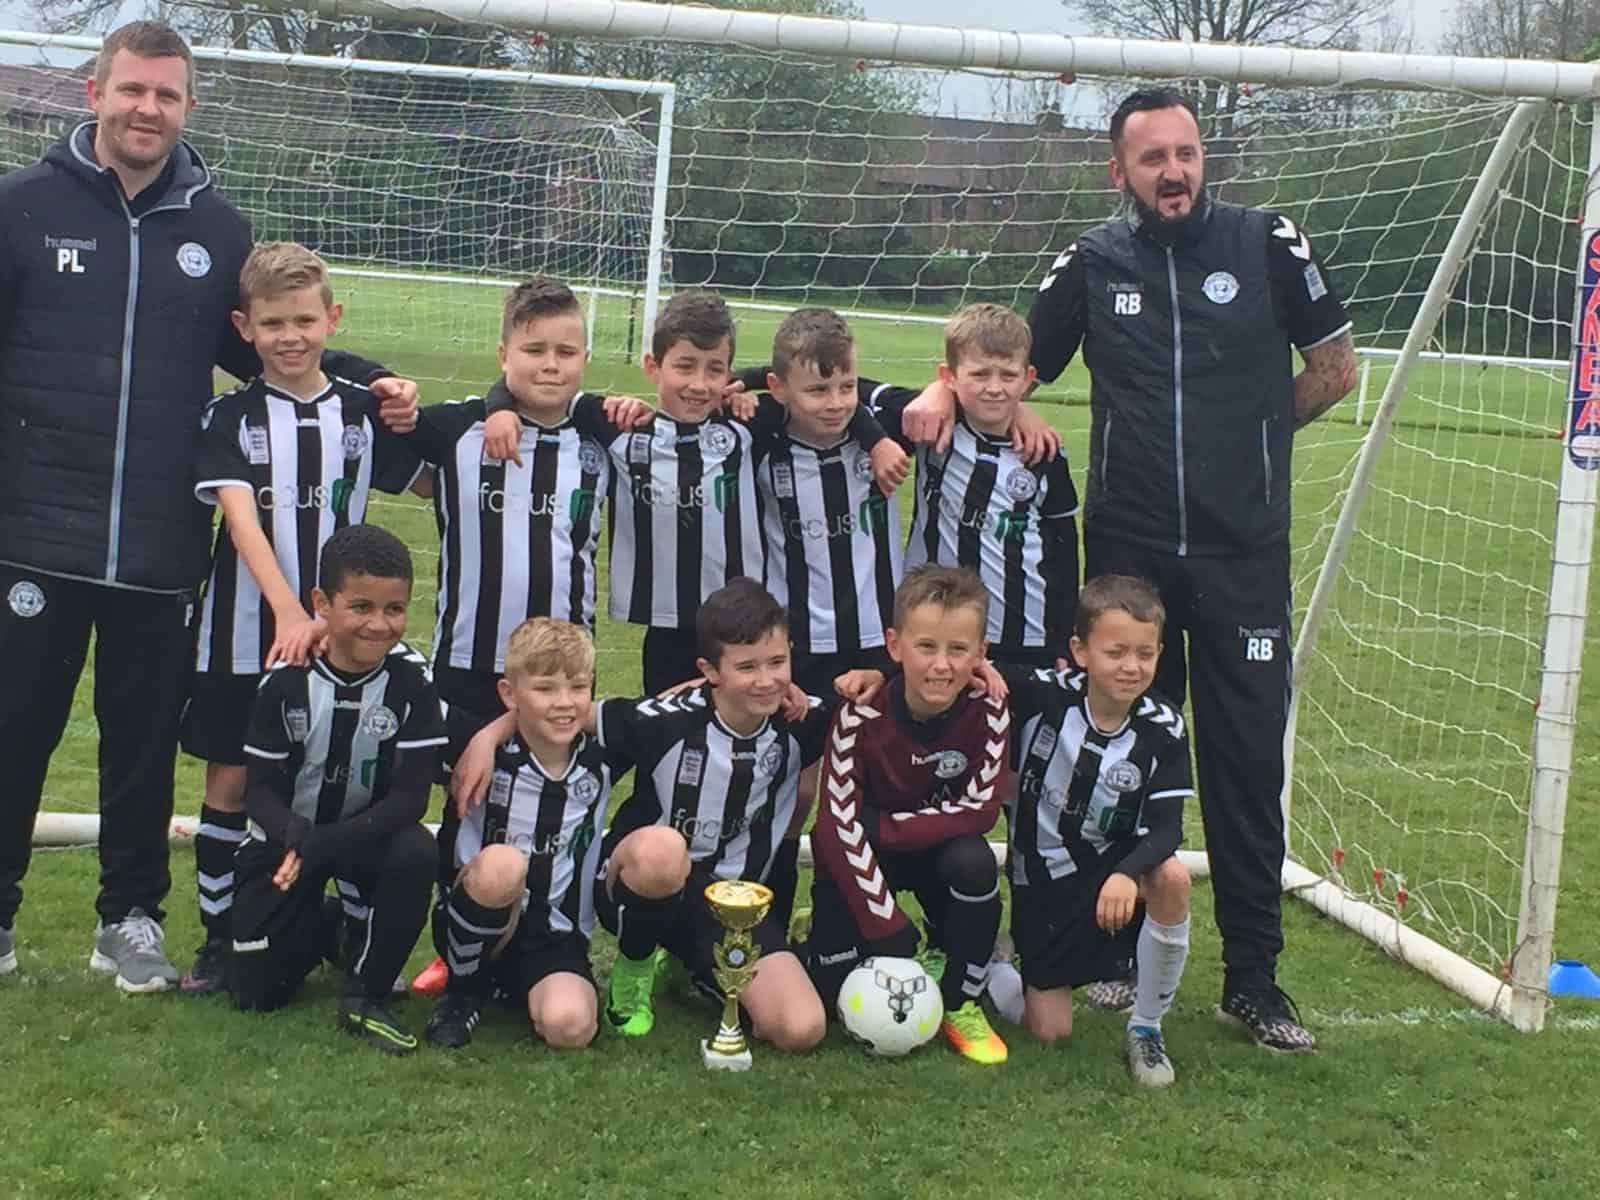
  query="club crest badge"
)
[
  {"x": 585, "y": 788},
  {"x": 591, "y": 459},
  {"x": 1124, "y": 777},
  {"x": 717, "y": 440},
  {"x": 951, "y": 763},
  {"x": 381, "y": 723},
  {"x": 26, "y": 599},
  {"x": 194, "y": 260},
  {"x": 1220, "y": 287},
  {"x": 771, "y": 759},
  {"x": 353, "y": 441},
  {"x": 1021, "y": 485}
]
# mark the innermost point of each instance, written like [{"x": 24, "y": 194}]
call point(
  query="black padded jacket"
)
[{"x": 112, "y": 315}]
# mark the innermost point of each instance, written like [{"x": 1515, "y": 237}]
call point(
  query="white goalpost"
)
[{"x": 1443, "y": 525}]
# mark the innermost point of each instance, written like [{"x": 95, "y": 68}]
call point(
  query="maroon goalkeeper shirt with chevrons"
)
[{"x": 896, "y": 785}]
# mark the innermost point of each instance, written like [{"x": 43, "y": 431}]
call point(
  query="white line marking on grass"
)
[{"x": 1354, "y": 1018}]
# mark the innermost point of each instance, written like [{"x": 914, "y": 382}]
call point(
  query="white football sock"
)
[
  {"x": 1005, "y": 990},
  {"x": 1162, "y": 951}
]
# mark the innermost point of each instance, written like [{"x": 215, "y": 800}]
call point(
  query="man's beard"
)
[
  {"x": 1154, "y": 216},
  {"x": 120, "y": 135}
]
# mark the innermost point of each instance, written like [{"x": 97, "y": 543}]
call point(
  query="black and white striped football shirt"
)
[
  {"x": 684, "y": 517},
  {"x": 979, "y": 505},
  {"x": 833, "y": 539},
  {"x": 557, "y": 823},
  {"x": 833, "y": 544},
  {"x": 731, "y": 795},
  {"x": 310, "y": 465},
  {"x": 337, "y": 737},
  {"x": 514, "y": 542},
  {"x": 1084, "y": 794}
]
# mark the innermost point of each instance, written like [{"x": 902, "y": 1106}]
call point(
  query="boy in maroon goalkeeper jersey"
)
[{"x": 912, "y": 782}]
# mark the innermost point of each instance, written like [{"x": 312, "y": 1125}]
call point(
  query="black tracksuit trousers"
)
[
  {"x": 143, "y": 652},
  {"x": 1227, "y": 641}
]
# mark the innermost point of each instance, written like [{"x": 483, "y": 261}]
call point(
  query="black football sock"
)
[
  {"x": 399, "y": 909},
  {"x": 350, "y": 912},
  {"x": 835, "y": 948},
  {"x": 215, "y": 841},
  {"x": 471, "y": 932},
  {"x": 972, "y": 918},
  {"x": 642, "y": 921}
]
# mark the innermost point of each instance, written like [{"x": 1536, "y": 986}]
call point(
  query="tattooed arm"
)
[{"x": 1329, "y": 374}]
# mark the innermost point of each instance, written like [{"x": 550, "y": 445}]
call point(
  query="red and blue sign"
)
[{"x": 1583, "y": 428}]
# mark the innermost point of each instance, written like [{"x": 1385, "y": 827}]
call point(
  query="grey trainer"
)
[
  {"x": 132, "y": 950},
  {"x": 8, "y": 951},
  {"x": 1146, "y": 1053}
]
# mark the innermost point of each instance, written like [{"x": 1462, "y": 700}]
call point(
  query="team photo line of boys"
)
[{"x": 808, "y": 671}]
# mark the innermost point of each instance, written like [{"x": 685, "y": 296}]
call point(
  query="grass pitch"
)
[{"x": 1412, "y": 763}]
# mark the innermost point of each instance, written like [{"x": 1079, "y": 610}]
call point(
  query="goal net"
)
[
  {"x": 428, "y": 187},
  {"x": 897, "y": 173}
]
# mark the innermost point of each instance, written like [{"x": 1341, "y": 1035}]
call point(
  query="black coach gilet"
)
[{"x": 1192, "y": 387}]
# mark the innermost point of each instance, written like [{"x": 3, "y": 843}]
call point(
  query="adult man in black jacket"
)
[
  {"x": 119, "y": 265},
  {"x": 1186, "y": 308}
]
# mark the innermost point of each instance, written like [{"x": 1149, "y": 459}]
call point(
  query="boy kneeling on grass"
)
[
  {"x": 912, "y": 781},
  {"x": 341, "y": 756},
  {"x": 516, "y": 903},
  {"x": 1095, "y": 823}
]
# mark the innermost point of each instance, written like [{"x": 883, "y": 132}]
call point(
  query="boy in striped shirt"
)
[
  {"x": 834, "y": 545},
  {"x": 1094, "y": 825},
  {"x": 342, "y": 756},
  {"x": 517, "y": 531},
  {"x": 519, "y": 520},
  {"x": 981, "y": 505},
  {"x": 289, "y": 458},
  {"x": 516, "y": 904},
  {"x": 833, "y": 535}
]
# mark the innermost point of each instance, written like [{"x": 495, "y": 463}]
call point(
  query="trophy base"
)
[{"x": 715, "y": 1060}]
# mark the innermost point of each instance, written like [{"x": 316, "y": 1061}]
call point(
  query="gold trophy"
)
[{"x": 739, "y": 907}]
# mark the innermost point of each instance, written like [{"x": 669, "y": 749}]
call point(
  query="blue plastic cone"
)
[{"x": 1569, "y": 977}]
